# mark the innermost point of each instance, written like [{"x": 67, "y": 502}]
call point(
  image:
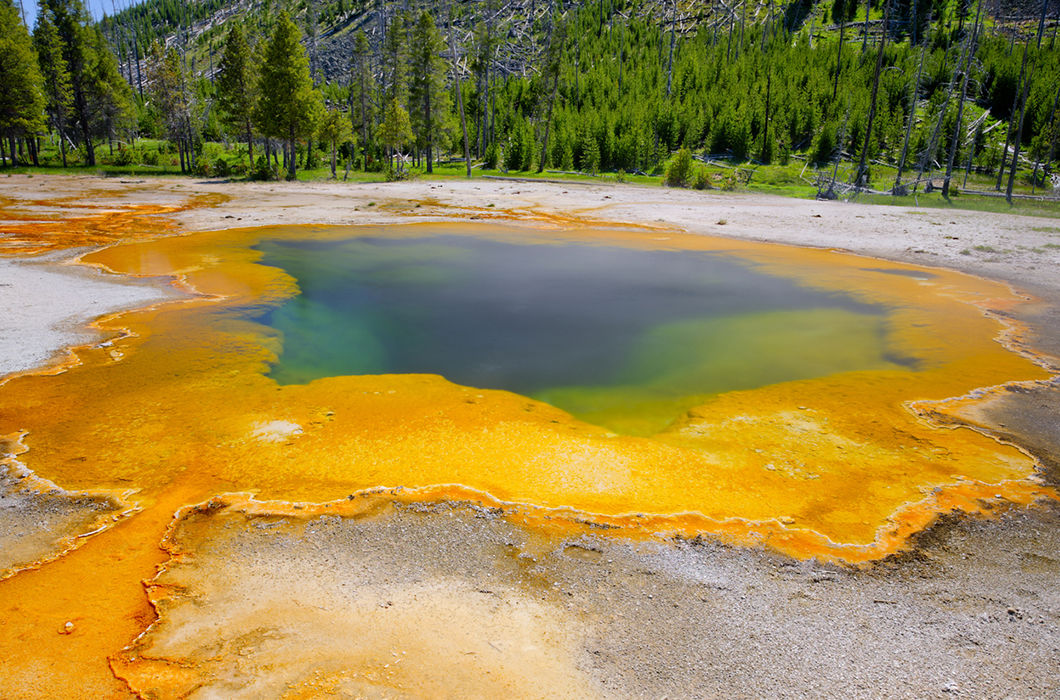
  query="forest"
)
[{"x": 884, "y": 96}]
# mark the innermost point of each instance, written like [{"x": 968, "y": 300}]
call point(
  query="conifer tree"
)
[
  {"x": 486, "y": 44},
  {"x": 551, "y": 74},
  {"x": 169, "y": 91},
  {"x": 70, "y": 17},
  {"x": 428, "y": 99},
  {"x": 100, "y": 95},
  {"x": 458, "y": 87},
  {"x": 110, "y": 96},
  {"x": 335, "y": 129},
  {"x": 57, "y": 90},
  {"x": 396, "y": 129},
  {"x": 362, "y": 88},
  {"x": 21, "y": 98},
  {"x": 288, "y": 106},
  {"x": 395, "y": 61},
  {"x": 235, "y": 87}
]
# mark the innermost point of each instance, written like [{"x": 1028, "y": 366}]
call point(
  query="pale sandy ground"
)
[
  {"x": 974, "y": 611},
  {"x": 47, "y": 302}
]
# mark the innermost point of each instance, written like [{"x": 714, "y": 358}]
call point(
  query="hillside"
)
[
  {"x": 836, "y": 95},
  {"x": 331, "y": 24}
]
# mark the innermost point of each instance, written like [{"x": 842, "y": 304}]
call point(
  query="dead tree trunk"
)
[
  {"x": 459, "y": 89},
  {"x": 1018, "y": 140},
  {"x": 861, "y": 179},
  {"x": 1008, "y": 131},
  {"x": 897, "y": 189},
  {"x": 966, "y": 65}
]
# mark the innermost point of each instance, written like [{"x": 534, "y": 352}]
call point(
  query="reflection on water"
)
[{"x": 621, "y": 337}]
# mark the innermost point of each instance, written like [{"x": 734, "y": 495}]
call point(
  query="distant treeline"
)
[{"x": 617, "y": 85}]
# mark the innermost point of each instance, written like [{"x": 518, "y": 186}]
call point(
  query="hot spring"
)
[
  {"x": 644, "y": 380},
  {"x": 625, "y": 338}
]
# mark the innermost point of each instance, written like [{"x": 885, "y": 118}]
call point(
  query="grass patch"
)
[
  {"x": 968, "y": 202},
  {"x": 795, "y": 179}
]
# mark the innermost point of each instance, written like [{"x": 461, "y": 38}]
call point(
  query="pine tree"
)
[
  {"x": 395, "y": 61},
  {"x": 362, "y": 89},
  {"x": 486, "y": 44},
  {"x": 70, "y": 20},
  {"x": 551, "y": 74},
  {"x": 458, "y": 87},
  {"x": 101, "y": 98},
  {"x": 110, "y": 96},
  {"x": 396, "y": 129},
  {"x": 235, "y": 87},
  {"x": 21, "y": 97},
  {"x": 168, "y": 82},
  {"x": 57, "y": 90},
  {"x": 335, "y": 129},
  {"x": 288, "y": 106},
  {"x": 428, "y": 99}
]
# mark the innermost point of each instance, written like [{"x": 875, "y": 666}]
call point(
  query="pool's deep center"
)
[{"x": 625, "y": 338}]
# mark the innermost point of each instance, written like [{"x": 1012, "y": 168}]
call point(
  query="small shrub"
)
[
  {"x": 262, "y": 169},
  {"x": 398, "y": 171},
  {"x": 568, "y": 157},
  {"x": 125, "y": 156},
  {"x": 150, "y": 158},
  {"x": 785, "y": 153},
  {"x": 680, "y": 170},
  {"x": 826, "y": 143},
  {"x": 701, "y": 180},
  {"x": 221, "y": 168},
  {"x": 491, "y": 156}
]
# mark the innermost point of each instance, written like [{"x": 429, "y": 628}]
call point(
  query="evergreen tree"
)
[
  {"x": 396, "y": 129},
  {"x": 429, "y": 100},
  {"x": 21, "y": 98},
  {"x": 458, "y": 87},
  {"x": 551, "y": 75},
  {"x": 110, "y": 99},
  {"x": 335, "y": 129},
  {"x": 288, "y": 106},
  {"x": 72, "y": 22},
  {"x": 235, "y": 87},
  {"x": 486, "y": 43},
  {"x": 57, "y": 89},
  {"x": 362, "y": 89},
  {"x": 170, "y": 93},
  {"x": 395, "y": 61}
]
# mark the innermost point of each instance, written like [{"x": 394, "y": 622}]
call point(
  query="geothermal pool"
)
[
  {"x": 625, "y": 338},
  {"x": 245, "y": 450},
  {"x": 647, "y": 382}
]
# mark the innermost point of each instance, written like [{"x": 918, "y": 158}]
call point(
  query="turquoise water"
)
[{"x": 622, "y": 337}]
